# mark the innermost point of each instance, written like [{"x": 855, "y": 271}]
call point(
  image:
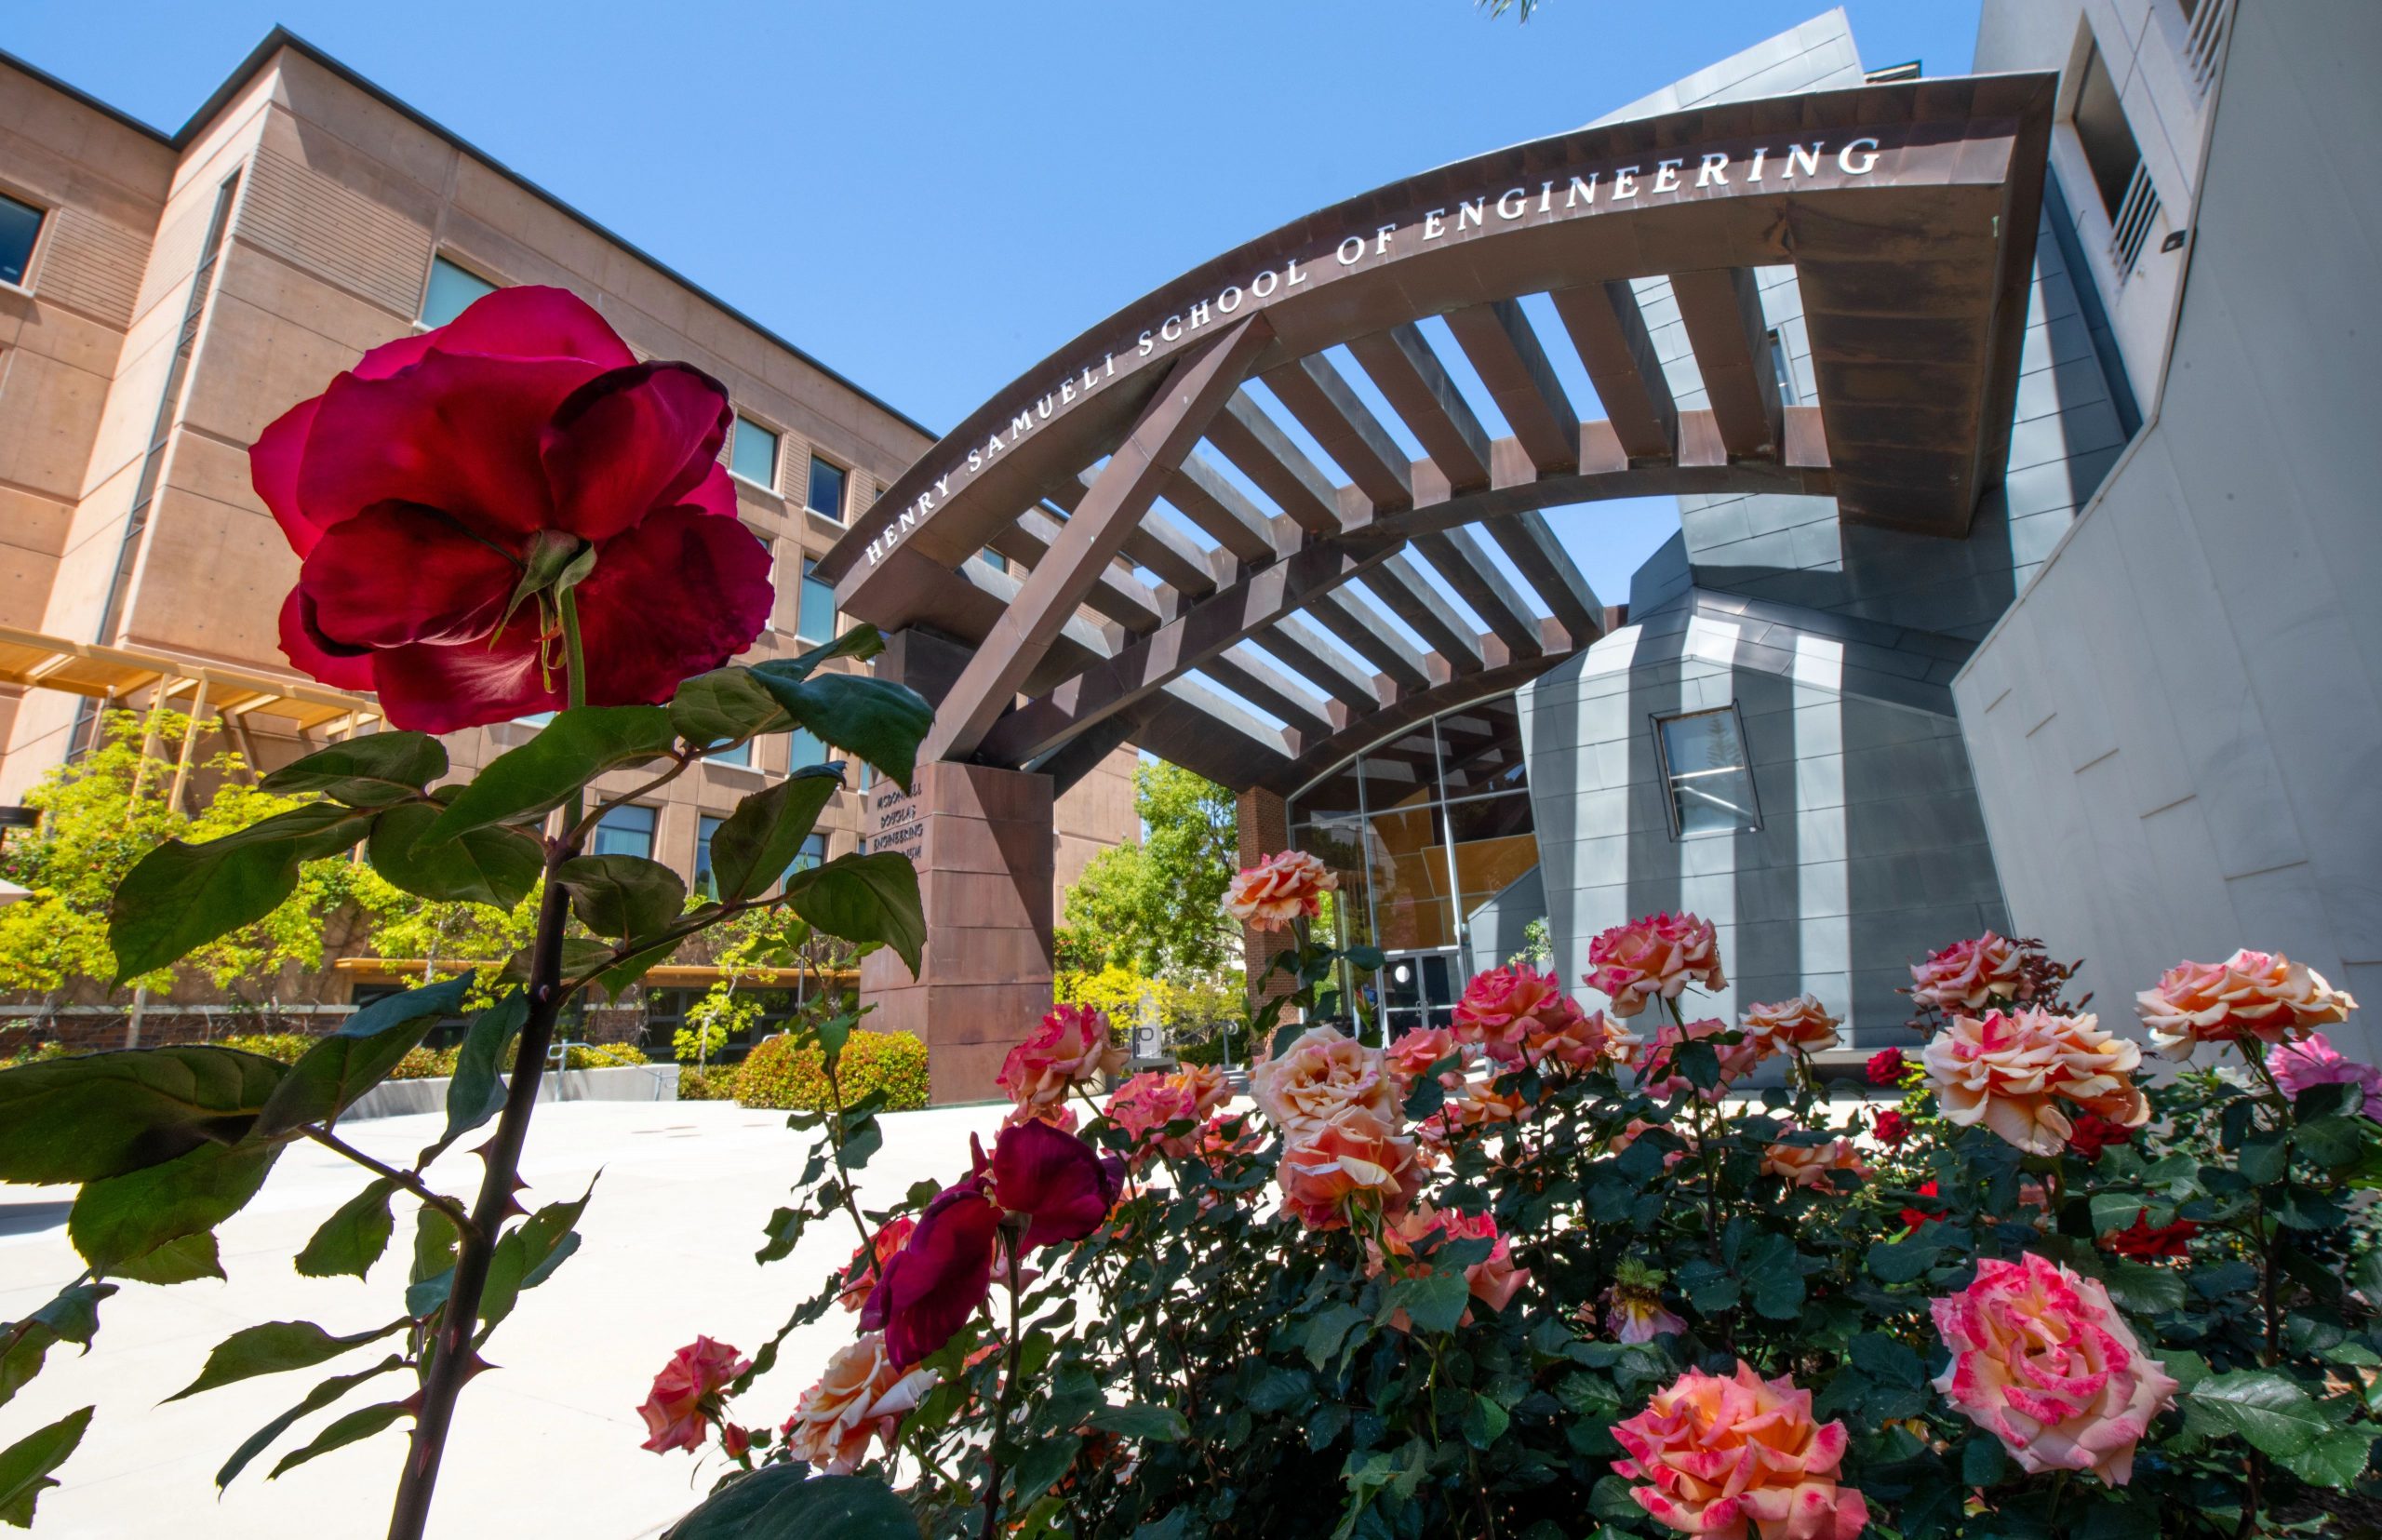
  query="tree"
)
[{"x": 1156, "y": 906}]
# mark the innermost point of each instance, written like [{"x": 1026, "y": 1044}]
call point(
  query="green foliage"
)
[
  {"x": 1156, "y": 907},
  {"x": 789, "y": 1071}
]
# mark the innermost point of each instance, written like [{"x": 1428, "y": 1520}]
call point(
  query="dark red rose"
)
[
  {"x": 2143, "y": 1243},
  {"x": 1892, "y": 1128},
  {"x": 2089, "y": 1135},
  {"x": 1886, "y": 1066},
  {"x": 1058, "y": 1184},
  {"x": 1913, "y": 1218},
  {"x": 419, "y": 486},
  {"x": 685, "y": 1398}
]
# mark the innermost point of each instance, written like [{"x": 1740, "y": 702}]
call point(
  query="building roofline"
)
[{"x": 281, "y": 37}]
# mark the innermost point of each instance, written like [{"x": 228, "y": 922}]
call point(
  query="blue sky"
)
[{"x": 929, "y": 196}]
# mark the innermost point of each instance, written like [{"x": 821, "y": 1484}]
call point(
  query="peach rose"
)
[
  {"x": 1323, "y": 1071},
  {"x": 1493, "y": 1280},
  {"x": 1658, "y": 1076},
  {"x": 1357, "y": 1155},
  {"x": 1809, "y": 1165},
  {"x": 1659, "y": 954},
  {"x": 1144, "y": 1104},
  {"x": 1967, "y": 974},
  {"x": 1591, "y": 1041},
  {"x": 1717, "y": 1454},
  {"x": 1799, "y": 1026},
  {"x": 1279, "y": 890},
  {"x": 1057, "y": 1114},
  {"x": 1471, "y": 1104},
  {"x": 1628, "y": 1136},
  {"x": 2010, "y": 1072},
  {"x": 1510, "y": 1012},
  {"x": 861, "y": 1396},
  {"x": 1416, "y": 1052},
  {"x": 2262, "y": 995},
  {"x": 1072, "y": 1044},
  {"x": 2042, "y": 1361}
]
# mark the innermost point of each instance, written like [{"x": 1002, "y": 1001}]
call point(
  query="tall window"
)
[
  {"x": 815, "y": 622},
  {"x": 753, "y": 453},
  {"x": 1703, "y": 765},
  {"x": 2101, "y": 128},
  {"x": 624, "y": 831},
  {"x": 706, "y": 885},
  {"x": 826, "y": 489},
  {"x": 19, "y": 228},
  {"x": 450, "y": 291},
  {"x": 812, "y": 854}
]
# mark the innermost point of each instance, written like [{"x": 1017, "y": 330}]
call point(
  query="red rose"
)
[
  {"x": 1892, "y": 1128},
  {"x": 419, "y": 487},
  {"x": 1913, "y": 1218},
  {"x": 1885, "y": 1067},
  {"x": 685, "y": 1398},
  {"x": 2143, "y": 1243},
  {"x": 2089, "y": 1135}
]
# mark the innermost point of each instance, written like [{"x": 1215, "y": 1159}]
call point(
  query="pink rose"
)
[
  {"x": 1414, "y": 1052},
  {"x": 1591, "y": 1041},
  {"x": 1716, "y": 1455},
  {"x": 1810, "y": 1165},
  {"x": 1358, "y": 1156},
  {"x": 1799, "y": 1026},
  {"x": 2262, "y": 995},
  {"x": 2042, "y": 1361},
  {"x": 1279, "y": 890},
  {"x": 1072, "y": 1044},
  {"x": 863, "y": 1395},
  {"x": 2313, "y": 1062},
  {"x": 1967, "y": 976},
  {"x": 1493, "y": 1280},
  {"x": 1634, "y": 1311},
  {"x": 1511, "y": 1011},
  {"x": 2010, "y": 1072},
  {"x": 685, "y": 1398},
  {"x": 1323, "y": 1072},
  {"x": 1658, "y": 1075},
  {"x": 1659, "y": 954}
]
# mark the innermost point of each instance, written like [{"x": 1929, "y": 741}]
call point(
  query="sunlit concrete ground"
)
[{"x": 547, "y": 1444}]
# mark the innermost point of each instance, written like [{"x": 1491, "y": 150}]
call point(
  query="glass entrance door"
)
[{"x": 1418, "y": 989}]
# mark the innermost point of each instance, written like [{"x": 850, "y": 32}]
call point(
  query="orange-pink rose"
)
[
  {"x": 1072, "y": 1044},
  {"x": 1592, "y": 1041},
  {"x": 1799, "y": 1026},
  {"x": 2011, "y": 1071},
  {"x": 1811, "y": 1165},
  {"x": 1658, "y": 1073},
  {"x": 868, "y": 1260},
  {"x": 1147, "y": 1102},
  {"x": 1969, "y": 974},
  {"x": 1493, "y": 1280},
  {"x": 862, "y": 1396},
  {"x": 1358, "y": 1156},
  {"x": 2042, "y": 1361},
  {"x": 1279, "y": 890},
  {"x": 2262, "y": 995},
  {"x": 1413, "y": 1053},
  {"x": 1511, "y": 1011},
  {"x": 686, "y": 1396},
  {"x": 1715, "y": 1456},
  {"x": 1323, "y": 1072},
  {"x": 1657, "y": 956}
]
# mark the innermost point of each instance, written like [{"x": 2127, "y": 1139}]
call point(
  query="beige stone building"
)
[{"x": 163, "y": 296}]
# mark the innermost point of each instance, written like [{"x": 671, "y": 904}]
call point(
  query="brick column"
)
[
  {"x": 1265, "y": 830},
  {"x": 981, "y": 841}
]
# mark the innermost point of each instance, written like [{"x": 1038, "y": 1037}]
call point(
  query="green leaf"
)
[
  {"x": 328, "y": 1077},
  {"x": 181, "y": 896},
  {"x": 316, "y": 1399},
  {"x": 118, "y": 1218},
  {"x": 761, "y": 838},
  {"x": 184, "y": 1260},
  {"x": 1769, "y": 1270},
  {"x": 1981, "y": 1461},
  {"x": 1484, "y": 1422},
  {"x": 785, "y": 1227},
  {"x": 615, "y": 980},
  {"x": 527, "y": 1255},
  {"x": 276, "y": 1347},
  {"x": 1434, "y": 1302},
  {"x": 77, "y": 1119},
  {"x": 1327, "y": 1330},
  {"x": 1136, "y": 1420},
  {"x": 879, "y": 720},
  {"x": 865, "y": 897},
  {"x": 628, "y": 896},
  {"x": 476, "y": 1092},
  {"x": 2332, "y": 1142},
  {"x": 73, "y": 1314},
  {"x": 1040, "y": 1468},
  {"x": 579, "y": 955},
  {"x": 777, "y": 1503},
  {"x": 576, "y": 746},
  {"x": 25, "y": 1465},
  {"x": 357, "y": 1425},
  {"x": 2265, "y": 1157},
  {"x": 1902, "y": 1261},
  {"x": 860, "y": 644},
  {"x": 2278, "y": 1418},
  {"x": 496, "y": 865},
  {"x": 725, "y": 705},
  {"x": 353, "y": 1239},
  {"x": 371, "y": 772}
]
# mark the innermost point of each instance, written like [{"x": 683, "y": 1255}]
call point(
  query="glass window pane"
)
[
  {"x": 804, "y": 749},
  {"x": 2101, "y": 129},
  {"x": 1334, "y": 794},
  {"x": 1405, "y": 771},
  {"x": 1482, "y": 749},
  {"x": 813, "y": 854},
  {"x": 1490, "y": 818},
  {"x": 815, "y": 617},
  {"x": 826, "y": 489},
  {"x": 1703, "y": 756},
  {"x": 704, "y": 828},
  {"x": 1408, "y": 862},
  {"x": 451, "y": 292},
  {"x": 741, "y": 754},
  {"x": 624, "y": 831},
  {"x": 20, "y": 227},
  {"x": 754, "y": 453}
]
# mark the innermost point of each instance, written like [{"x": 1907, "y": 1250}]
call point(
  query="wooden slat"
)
[
  {"x": 1411, "y": 379},
  {"x": 1459, "y": 558},
  {"x": 1506, "y": 353},
  {"x": 1268, "y": 689},
  {"x": 1306, "y": 654},
  {"x": 1207, "y": 499},
  {"x": 1330, "y": 408},
  {"x": 1245, "y": 436},
  {"x": 1722, "y": 308},
  {"x": 1610, "y": 332},
  {"x": 1540, "y": 557},
  {"x": 1369, "y": 635},
  {"x": 1417, "y": 601},
  {"x": 1154, "y": 544}
]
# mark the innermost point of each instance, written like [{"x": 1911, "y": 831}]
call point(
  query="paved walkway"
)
[{"x": 548, "y": 1444}]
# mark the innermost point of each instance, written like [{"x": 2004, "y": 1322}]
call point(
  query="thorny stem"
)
[
  {"x": 844, "y": 1177},
  {"x": 406, "y": 1179},
  {"x": 1002, "y": 1403}
]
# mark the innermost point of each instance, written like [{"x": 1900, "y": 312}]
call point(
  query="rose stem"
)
[{"x": 453, "y": 1363}]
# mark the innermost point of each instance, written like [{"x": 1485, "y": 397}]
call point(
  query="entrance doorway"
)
[{"x": 1418, "y": 989}]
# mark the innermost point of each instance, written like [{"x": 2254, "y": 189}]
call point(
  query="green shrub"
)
[
  {"x": 716, "y": 1083},
  {"x": 605, "y": 1056},
  {"x": 778, "y": 1074},
  {"x": 280, "y": 1046},
  {"x": 424, "y": 1063}
]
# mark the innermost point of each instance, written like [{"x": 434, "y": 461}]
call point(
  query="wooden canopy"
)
[{"x": 1907, "y": 212}]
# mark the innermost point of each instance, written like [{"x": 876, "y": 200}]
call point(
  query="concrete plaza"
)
[{"x": 547, "y": 1444}]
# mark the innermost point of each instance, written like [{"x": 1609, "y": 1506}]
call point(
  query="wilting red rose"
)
[
  {"x": 685, "y": 1398},
  {"x": 420, "y": 484},
  {"x": 2145, "y": 1242},
  {"x": 929, "y": 1288},
  {"x": 2089, "y": 1134}
]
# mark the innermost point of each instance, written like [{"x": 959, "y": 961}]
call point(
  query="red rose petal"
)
[
  {"x": 273, "y": 459},
  {"x": 630, "y": 441},
  {"x": 396, "y": 575},
  {"x": 676, "y": 596},
  {"x": 932, "y": 1285},
  {"x": 434, "y": 687},
  {"x": 1053, "y": 1176},
  {"x": 302, "y": 644}
]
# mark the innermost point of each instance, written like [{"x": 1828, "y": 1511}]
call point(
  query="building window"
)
[
  {"x": 813, "y": 854},
  {"x": 815, "y": 621},
  {"x": 624, "y": 831},
  {"x": 736, "y": 754},
  {"x": 1782, "y": 370},
  {"x": 803, "y": 749},
  {"x": 706, "y": 885},
  {"x": 451, "y": 292},
  {"x": 754, "y": 454},
  {"x": 992, "y": 559},
  {"x": 1703, "y": 765},
  {"x": 826, "y": 489},
  {"x": 19, "y": 228},
  {"x": 2102, "y": 131}
]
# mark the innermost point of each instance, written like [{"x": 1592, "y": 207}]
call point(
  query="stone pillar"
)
[
  {"x": 1265, "y": 830},
  {"x": 981, "y": 839}
]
